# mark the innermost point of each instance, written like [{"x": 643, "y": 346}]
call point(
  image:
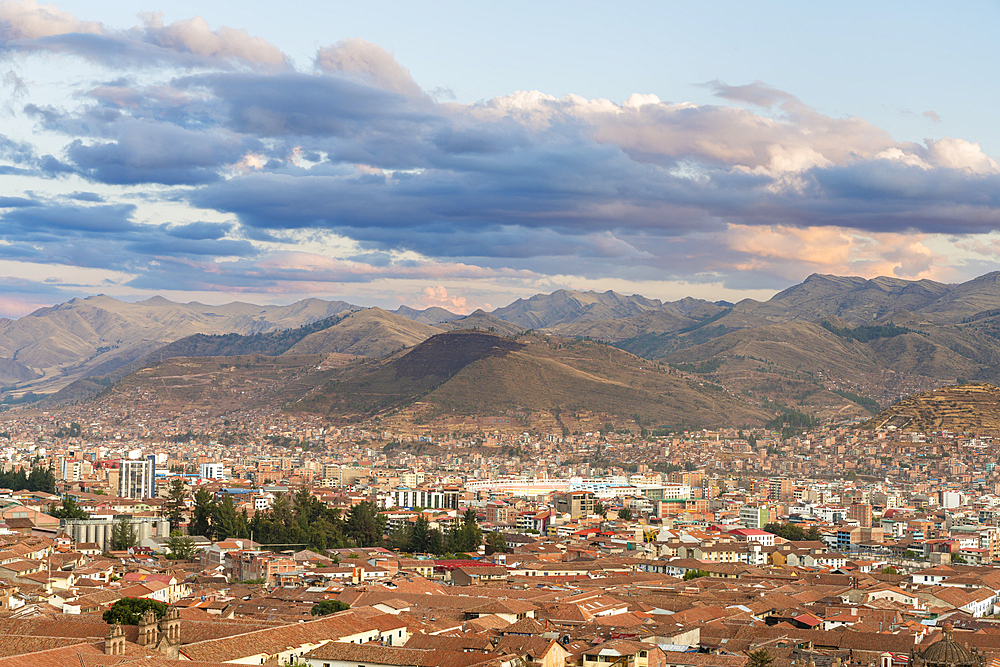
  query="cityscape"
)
[{"x": 463, "y": 334}]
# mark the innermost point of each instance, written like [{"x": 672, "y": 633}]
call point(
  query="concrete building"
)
[
  {"x": 212, "y": 471},
  {"x": 754, "y": 516},
  {"x": 575, "y": 503},
  {"x": 137, "y": 478}
]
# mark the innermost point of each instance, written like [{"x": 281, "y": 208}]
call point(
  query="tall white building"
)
[
  {"x": 211, "y": 471},
  {"x": 137, "y": 479}
]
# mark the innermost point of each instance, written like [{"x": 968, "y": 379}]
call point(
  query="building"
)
[
  {"x": 137, "y": 478},
  {"x": 862, "y": 513},
  {"x": 212, "y": 471},
  {"x": 575, "y": 503},
  {"x": 780, "y": 489},
  {"x": 754, "y": 516},
  {"x": 426, "y": 498}
]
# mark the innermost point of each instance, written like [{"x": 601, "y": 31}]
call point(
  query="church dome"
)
[{"x": 946, "y": 652}]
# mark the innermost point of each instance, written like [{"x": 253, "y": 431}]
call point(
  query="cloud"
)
[
  {"x": 932, "y": 116},
  {"x": 27, "y": 26},
  {"x": 370, "y": 63},
  {"x": 439, "y": 297},
  {"x": 211, "y": 175}
]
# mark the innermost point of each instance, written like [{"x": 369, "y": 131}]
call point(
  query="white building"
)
[
  {"x": 212, "y": 471},
  {"x": 137, "y": 478}
]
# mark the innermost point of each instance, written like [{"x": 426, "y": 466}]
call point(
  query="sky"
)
[{"x": 465, "y": 154}]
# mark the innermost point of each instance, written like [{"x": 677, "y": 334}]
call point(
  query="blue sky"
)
[{"x": 466, "y": 154}]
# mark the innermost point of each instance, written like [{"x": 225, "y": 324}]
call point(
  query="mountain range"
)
[{"x": 829, "y": 345}]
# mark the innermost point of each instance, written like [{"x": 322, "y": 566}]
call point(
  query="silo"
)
[
  {"x": 91, "y": 537},
  {"x": 107, "y": 533}
]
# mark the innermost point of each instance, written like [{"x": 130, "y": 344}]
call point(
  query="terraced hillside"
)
[{"x": 967, "y": 408}]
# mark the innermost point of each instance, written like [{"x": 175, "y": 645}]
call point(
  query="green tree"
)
[
  {"x": 123, "y": 535},
  {"x": 68, "y": 510},
  {"x": 496, "y": 543},
  {"x": 225, "y": 523},
  {"x": 175, "y": 505},
  {"x": 889, "y": 569},
  {"x": 625, "y": 514},
  {"x": 759, "y": 658},
  {"x": 129, "y": 611},
  {"x": 696, "y": 574},
  {"x": 365, "y": 525},
  {"x": 467, "y": 536},
  {"x": 182, "y": 547},
  {"x": 325, "y": 607},
  {"x": 42, "y": 479},
  {"x": 201, "y": 514},
  {"x": 600, "y": 509},
  {"x": 419, "y": 538}
]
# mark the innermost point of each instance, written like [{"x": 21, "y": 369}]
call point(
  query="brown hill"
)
[
  {"x": 967, "y": 408},
  {"x": 372, "y": 332},
  {"x": 96, "y": 335},
  {"x": 543, "y": 380},
  {"x": 484, "y": 322}
]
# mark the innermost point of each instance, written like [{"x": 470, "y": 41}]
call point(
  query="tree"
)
[
  {"x": 201, "y": 514},
  {"x": 68, "y": 510},
  {"x": 419, "y": 537},
  {"x": 123, "y": 535},
  {"x": 889, "y": 569},
  {"x": 325, "y": 607},
  {"x": 759, "y": 658},
  {"x": 175, "y": 504},
  {"x": 182, "y": 547},
  {"x": 468, "y": 536},
  {"x": 625, "y": 514},
  {"x": 365, "y": 525},
  {"x": 42, "y": 479},
  {"x": 496, "y": 543},
  {"x": 696, "y": 574},
  {"x": 224, "y": 519},
  {"x": 600, "y": 509},
  {"x": 129, "y": 611}
]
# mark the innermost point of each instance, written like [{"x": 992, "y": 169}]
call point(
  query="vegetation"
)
[
  {"x": 302, "y": 520},
  {"x": 325, "y": 607},
  {"x": 123, "y": 535},
  {"x": 40, "y": 479},
  {"x": 759, "y": 658},
  {"x": 790, "y": 531},
  {"x": 696, "y": 574},
  {"x": 462, "y": 537},
  {"x": 73, "y": 431},
  {"x": 496, "y": 543},
  {"x": 866, "y": 333},
  {"x": 182, "y": 547},
  {"x": 271, "y": 344},
  {"x": 708, "y": 366},
  {"x": 625, "y": 514},
  {"x": 175, "y": 505},
  {"x": 129, "y": 611},
  {"x": 68, "y": 510},
  {"x": 792, "y": 423},
  {"x": 869, "y": 404}
]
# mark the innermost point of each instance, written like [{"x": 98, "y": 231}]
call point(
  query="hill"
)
[
  {"x": 483, "y": 321},
  {"x": 546, "y": 310},
  {"x": 51, "y": 347},
  {"x": 372, "y": 332},
  {"x": 432, "y": 315},
  {"x": 457, "y": 380},
  {"x": 967, "y": 408}
]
